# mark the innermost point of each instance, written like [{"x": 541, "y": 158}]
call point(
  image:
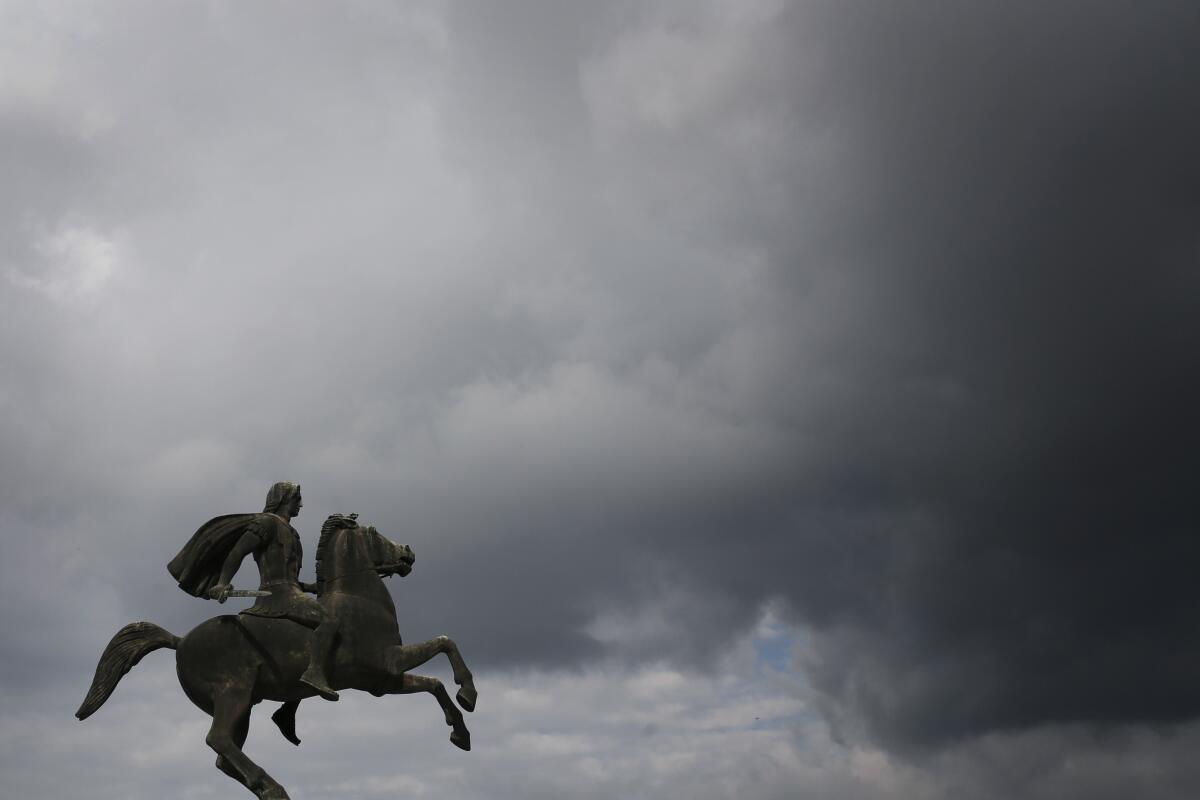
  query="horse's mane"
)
[{"x": 335, "y": 522}]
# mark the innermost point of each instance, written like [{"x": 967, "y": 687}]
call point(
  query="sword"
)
[{"x": 242, "y": 593}]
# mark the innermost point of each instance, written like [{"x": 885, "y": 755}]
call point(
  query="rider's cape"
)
[{"x": 198, "y": 565}]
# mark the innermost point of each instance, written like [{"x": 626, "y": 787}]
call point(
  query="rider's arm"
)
[{"x": 244, "y": 547}]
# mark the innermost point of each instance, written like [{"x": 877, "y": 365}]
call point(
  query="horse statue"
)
[{"x": 229, "y": 663}]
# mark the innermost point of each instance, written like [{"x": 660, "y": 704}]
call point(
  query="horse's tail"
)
[{"x": 123, "y": 652}]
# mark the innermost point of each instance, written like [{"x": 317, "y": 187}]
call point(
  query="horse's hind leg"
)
[
  {"x": 408, "y": 684},
  {"x": 407, "y": 656},
  {"x": 231, "y": 721},
  {"x": 240, "y": 731}
]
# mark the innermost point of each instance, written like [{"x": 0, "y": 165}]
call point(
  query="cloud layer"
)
[{"x": 637, "y": 323}]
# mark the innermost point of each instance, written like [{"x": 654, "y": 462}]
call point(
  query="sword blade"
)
[{"x": 247, "y": 593}]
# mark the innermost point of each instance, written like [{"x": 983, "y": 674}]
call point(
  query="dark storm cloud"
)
[
  {"x": 1021, "y": 211},
  {"x": 975, "y": 376},
  {"x": 978, "y": 485},
  {"x": 630, "y": 320}
]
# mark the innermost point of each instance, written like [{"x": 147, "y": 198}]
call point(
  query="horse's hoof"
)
[
  {"x": 466, "y": 698},
  {"x": 461, "y": 739}
]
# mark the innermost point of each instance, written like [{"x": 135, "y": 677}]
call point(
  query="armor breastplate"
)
[{"x": 279, "y": 558}]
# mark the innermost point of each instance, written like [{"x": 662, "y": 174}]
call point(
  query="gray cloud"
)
[{"x": 632, "y": 321}]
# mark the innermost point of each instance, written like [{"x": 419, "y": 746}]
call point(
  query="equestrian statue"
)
[{"x": 288, "y": 646}]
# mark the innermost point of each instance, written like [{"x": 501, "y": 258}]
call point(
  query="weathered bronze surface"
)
[{"x": 287, "y": 646}]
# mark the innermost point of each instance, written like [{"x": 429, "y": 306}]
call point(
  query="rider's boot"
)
[
  {"x": 322, "y": 643},
  {"x": 285, "y": 718}
]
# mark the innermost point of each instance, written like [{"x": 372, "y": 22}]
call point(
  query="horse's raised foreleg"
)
[
  {"x": 231, "y": 721},
  {"x": 408, "y": 684},
  {"x": 402, "y": 658}
]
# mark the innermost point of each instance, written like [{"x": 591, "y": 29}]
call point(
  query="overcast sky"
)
[{"x": 781, "y": 399}]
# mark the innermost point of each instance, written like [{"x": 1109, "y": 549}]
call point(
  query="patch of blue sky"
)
[{"x": 776, "y": 644}]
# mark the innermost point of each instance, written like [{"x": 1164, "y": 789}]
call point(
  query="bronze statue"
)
[
  {"x": 287, "y": 646},
  {"x": 277, "y": 551}
]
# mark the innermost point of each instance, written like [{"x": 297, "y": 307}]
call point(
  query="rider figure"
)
[{"x": 276, "y": 548}]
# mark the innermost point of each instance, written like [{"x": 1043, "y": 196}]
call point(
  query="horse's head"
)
[
  {"x": 388, "y": 557},
  {"x": 347, "y": 548}
]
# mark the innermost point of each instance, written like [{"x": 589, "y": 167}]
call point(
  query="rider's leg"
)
[
  {"x": 322, "y": 646},
  {"x": 285, "y": 718}
]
